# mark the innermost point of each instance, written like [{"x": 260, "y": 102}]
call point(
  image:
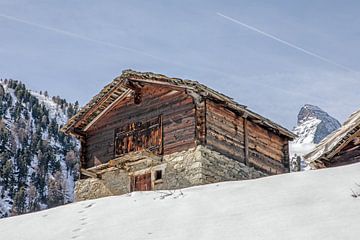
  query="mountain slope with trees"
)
[{"x": 38, "y": 164}]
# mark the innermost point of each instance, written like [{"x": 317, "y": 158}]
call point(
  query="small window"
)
[{"x": 158, "y": 175}]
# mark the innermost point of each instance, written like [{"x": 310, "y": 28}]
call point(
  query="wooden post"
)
[
  {"x": 200, "y": 119},
  {"x": 246, "y": 142},
  {"x": 82, "y": 157},
  {"x": 286, "y": 160}
]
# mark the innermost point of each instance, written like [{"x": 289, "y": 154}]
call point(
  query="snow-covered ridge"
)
[
  {"x": 305, "y": 205},
  {"x": 313, "y": 125},
  {"x": 54, "y": 109},
  {"x": 306, "y": 130}
]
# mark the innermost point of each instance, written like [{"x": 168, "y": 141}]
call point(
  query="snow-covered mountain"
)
[
  {"x": 38, "y": 164},
  {"x": 304, "y": 205},
  {"x": 313, "y": 125}
]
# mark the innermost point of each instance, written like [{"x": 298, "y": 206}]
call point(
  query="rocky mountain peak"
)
[{"x": 314, "y": 124}]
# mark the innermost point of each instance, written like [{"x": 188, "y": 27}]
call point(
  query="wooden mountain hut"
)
[{"x": 147, "y": 131}]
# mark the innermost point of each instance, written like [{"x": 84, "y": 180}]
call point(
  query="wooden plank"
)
[
  {"x": 200, "y": 121},
  {"x": 352, "y": 137},
  {"x": 87, "y": 173},
  {"x": 176, "y": 108},
  {"x": 107, "y": 109},
  {"x": 225, "y": 138},
  {"x": 179, "y": 146},
  {"x": 88, "y": 114},
  {"x": 246, "y": 143},
  {"x": 231, "y": 150},
  {"x": 226, "y": 129},
  {"x": 142, "y": 114}
]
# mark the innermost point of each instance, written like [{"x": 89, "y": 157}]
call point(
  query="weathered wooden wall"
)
[
  {"x": 349, "y": 154},
  {"x": 267, "y": 150},
  {"x": 178, "y": 118},
  {"x": 225, "y": 131},
  {"x": 244, "y": 140},
  {"x": 186, "y": 124}
]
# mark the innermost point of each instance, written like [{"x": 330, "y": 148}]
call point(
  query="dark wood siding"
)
[
  {"x": 225, "y": 133},
  {"x": 267, "y": 150},
  {"x": 178, "y": 120},
  {"x": 349, "y": 154}
]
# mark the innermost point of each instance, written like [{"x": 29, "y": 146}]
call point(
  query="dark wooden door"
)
[{"x": 141, "y": 182}]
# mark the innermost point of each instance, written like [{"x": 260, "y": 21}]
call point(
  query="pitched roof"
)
[
  {"x": 119, "y": 87},
  {"x": 333, "y": 143}
]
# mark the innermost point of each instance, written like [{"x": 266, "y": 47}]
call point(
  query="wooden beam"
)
[
  {"x": 87, "y": 173},
  {"x": 246, "y": 142},
  {"x": 355, "y": 135},
  {"x": 82, "y": 154},
  {"x": 121, "y": 97},
  {"x": 162, "y": 83},
  {"x": 93, "y": 109}
]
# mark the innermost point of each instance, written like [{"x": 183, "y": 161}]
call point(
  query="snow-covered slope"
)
[
  {"x": 54, "y": 109},
  {"x": 304, "y": 205},
  {"x": 313, "y": 125}
]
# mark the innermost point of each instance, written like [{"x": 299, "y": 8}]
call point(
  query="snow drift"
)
[{"x": 304, "y": 205}]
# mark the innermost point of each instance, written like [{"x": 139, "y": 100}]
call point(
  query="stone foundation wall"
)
[
  {"x": 91, "y": 188},
  {"x": 195, "y": 166},
  {"x": 218, "y": 168}
]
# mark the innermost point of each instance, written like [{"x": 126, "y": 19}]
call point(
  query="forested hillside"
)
[{"x": 38, "y": 164}]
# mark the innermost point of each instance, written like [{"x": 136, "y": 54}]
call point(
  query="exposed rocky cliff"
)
[{"x": 313, "y": 125}]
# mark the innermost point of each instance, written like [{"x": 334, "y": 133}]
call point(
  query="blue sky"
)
[{"x": 74, "y": 48}]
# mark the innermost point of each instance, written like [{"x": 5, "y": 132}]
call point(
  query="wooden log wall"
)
[
  {"x": 267, "y": 150},
  {"x": 348, "y": 155},
  {"x": 178, "y": 119},
  {"x": 225, "y": 131},
  {"x": 245, "y": 141},
  {"x": 200, "y": 121}
]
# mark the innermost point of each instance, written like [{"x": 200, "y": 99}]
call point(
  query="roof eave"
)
[{"x": 130, "y": 75}]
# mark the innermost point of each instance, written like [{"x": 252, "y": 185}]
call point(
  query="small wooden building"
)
[
  {"x": 339, "y": 148},
  {"x": 147, "y": 131}
]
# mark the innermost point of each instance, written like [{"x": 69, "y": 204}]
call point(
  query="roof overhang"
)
[
  {"x": 337, "y": 140},
  {"x": 125, "y": 84}
]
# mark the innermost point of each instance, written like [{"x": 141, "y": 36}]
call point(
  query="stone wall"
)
[
  {"x": 193, "y": 167},
  {"x": 91, "y": 188},
  {"x": 218, "y": 168}
]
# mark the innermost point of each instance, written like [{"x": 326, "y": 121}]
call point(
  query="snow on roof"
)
[{"x": 329, "y": 146}]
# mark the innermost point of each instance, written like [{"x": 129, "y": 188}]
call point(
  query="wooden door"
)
[{"x": 141, "y": 182}]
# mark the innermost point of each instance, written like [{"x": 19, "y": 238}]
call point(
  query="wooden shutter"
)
[{"x": 139, "y": 136}]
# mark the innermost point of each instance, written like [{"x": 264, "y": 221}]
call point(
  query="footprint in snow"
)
[{"x": 89, "y": 205}]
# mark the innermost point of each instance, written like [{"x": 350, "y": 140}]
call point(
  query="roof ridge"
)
[{"x": 201, "y": 89}]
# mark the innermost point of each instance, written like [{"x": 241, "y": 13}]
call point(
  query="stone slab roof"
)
[{"x": 120, "y": 86}]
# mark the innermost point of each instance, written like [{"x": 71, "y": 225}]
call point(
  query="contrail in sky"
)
[
  {"x": 286, "y": 42},
  {"x": 78, "y": 36}
]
